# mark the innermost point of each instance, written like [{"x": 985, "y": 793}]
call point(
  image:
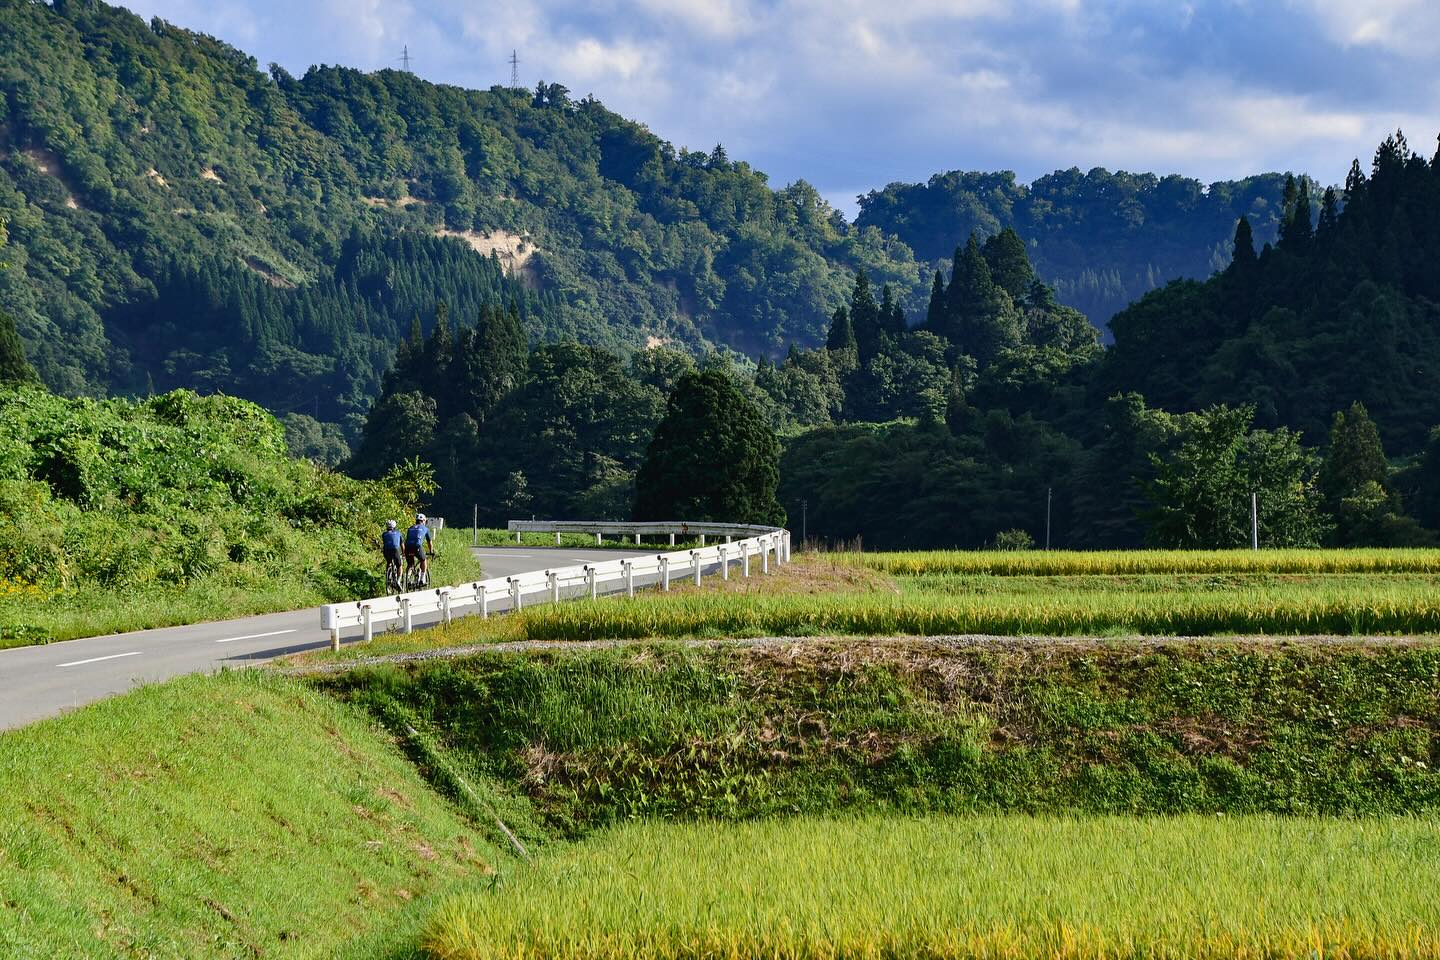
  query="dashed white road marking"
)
[
  {"x": 113, "y": 656},
  {"x": 257, "y": 636},
  {"x": 496, "y": 556}
]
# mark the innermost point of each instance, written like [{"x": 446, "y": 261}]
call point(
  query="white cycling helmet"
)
[
  {"x": 419, "y": 518},
  {"x": 390, "y": 524}
]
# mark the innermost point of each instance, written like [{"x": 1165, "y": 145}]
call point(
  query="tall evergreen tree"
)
[
  {"x": 714, "y": 457},
  {"x": 935, "y": 312},
  {"x": 14, "y": 367},
  {"x": 1009, "y": 263},
  {"x": 865, "y": 316},
  {"x": 1329, "y": 215},
  {"x": 1244, "y": 245},
  {"x": 842, "y": 331},
  {"x": 1355, "y": 457}
]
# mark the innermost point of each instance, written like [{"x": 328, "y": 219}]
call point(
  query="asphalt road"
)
[{"x": 41, "y": 681}]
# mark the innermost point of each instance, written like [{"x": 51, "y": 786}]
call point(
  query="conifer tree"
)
[
  {"x": 842, "y": 332},
  {"x": 1329, "y": 215},
  {"x": 1009, "y": 263},
  {"x": 865, "y": 316},
  {"x": 1244, "y": 245},
  {"x": 1355, "y": 457},
  {"x": 14, "y": 368},
  {"x": 714, "y": 457},
  {"x": 935, "y": 313}
]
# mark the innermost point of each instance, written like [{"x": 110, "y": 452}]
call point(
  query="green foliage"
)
[
  {"x": 1012, "y": 540},
  {"x": 1201, "y": 494},
  {"x": 730, "y": 732},
  {"x": 174, "y": 496},
  {"x": 1101, "y": 239},
  {"x": 713, "y": 457},
  {"x": 1324, "y": 319},
  {"x": 175, "y": 182}
]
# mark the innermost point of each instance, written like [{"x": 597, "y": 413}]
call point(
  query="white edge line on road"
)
[
  {"x": 113, "y": 656},
  {"x": 516, "y": 556},
  {"x": 257, "y": 636}
]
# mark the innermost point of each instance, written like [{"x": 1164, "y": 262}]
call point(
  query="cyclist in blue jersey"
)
[
  {"x": 417, "y": 541},
  {"x": 390, "y": 544}
]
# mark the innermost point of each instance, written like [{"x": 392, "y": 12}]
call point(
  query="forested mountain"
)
[
  {"x": 1343, "y": 309},
  {"x": 1100, "y": 239},
  {"x": 179, "y": 217}
]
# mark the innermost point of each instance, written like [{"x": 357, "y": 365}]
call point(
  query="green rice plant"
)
[
  {"x": 1132, "y": 562},
  {"x": 960, "y": 888},
  {"x": 1380, "y": 607}
]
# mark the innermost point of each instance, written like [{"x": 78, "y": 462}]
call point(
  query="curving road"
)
[{"x": 41, "y": 681}]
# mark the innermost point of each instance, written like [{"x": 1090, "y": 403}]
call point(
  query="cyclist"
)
[
  {"x": 390, "y": 542},
  {"x": 417, "y": 539}
]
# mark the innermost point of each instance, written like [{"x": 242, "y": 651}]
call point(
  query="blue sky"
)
[{"x": 851, "y": 96}]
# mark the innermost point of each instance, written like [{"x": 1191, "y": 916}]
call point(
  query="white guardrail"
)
[{"x": 745, "y": 547}]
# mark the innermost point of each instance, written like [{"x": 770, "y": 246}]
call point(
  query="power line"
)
[
  {"x": 405, "y": 58},
  {"x": 514, "y": 68}
]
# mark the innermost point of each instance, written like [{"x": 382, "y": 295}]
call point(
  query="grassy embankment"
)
[
  {"x": 986, "y": 887},
  {"x": 118, "y": 515},
  {"x": 241, "y": 815}
]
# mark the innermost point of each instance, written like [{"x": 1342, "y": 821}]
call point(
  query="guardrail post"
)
[
  {"x": 444, "y": 606},
  {"x": 765, "y": 555},
  {"x": 664, "y": 573},
  {"x": 554, "y": 586},
  {"x": 672, "y": 539},
  {"x": 365, "y": 619},
  {"x": 557, "y": 538},
  {"x": 727, "y": 538},
  {"x": 786, "y": 538},
  {"x": 514, "y": 593},
  {"x": 481, "y": 597},
  {"x": 695, "y": 560},
  {"x": 702, "y": 539},
  {"x": 745, "y": 557},
  {"x": 590, "y": 579},
  {"x": 724, "y": 563},
  {"x": 517, "y": 537},
  {"x": 405, "y": 614},
  {"x": 335, "y": 639},
  {"x": 598, "y": 541},
  {"x": 629, "y": 569}
]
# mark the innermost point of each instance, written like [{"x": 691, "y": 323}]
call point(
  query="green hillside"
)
[
  {"x": 180, "y": 218},
  {"x": 1101, "y": 239}
]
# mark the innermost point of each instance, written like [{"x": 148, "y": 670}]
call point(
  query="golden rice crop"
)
[
  {"x": 943, "y": 888},
  {"x": 1131, "y": 562},
  {"x": 1353, "y": 608}
]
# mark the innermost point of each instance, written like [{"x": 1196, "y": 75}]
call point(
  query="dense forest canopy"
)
[
  {"x": 998, "y": 416},
  {"x": 1100, "y": 239},
  {"x": 155, "y": 179},
  {"x": 181, "y": 217}
]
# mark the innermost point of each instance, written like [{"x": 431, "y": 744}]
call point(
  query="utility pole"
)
[
  {"x": 1048, "y": 491},
  {"x": 404, "y": 59},
  {"x": 515, "y": 68},
  {"x": 1254, "y": 521},
  {"x": 804, "y": 523}
]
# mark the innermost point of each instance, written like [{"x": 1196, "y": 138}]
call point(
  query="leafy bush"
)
[{"x": 116, "y": 497}]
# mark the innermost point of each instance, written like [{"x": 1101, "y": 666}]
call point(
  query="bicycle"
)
[
  {"x": 393, "y": 576},
  {"x": 417, "y": 577}
]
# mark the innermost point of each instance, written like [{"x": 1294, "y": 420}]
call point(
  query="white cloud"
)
[{"x": 1410, "y": 27}]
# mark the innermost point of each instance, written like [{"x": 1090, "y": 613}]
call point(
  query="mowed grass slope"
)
[
  {"x": 955, "y": 889},
  {"x": 242, "y": 815}
]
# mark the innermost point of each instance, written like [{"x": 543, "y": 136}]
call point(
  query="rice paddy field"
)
[
  {"x": 1370, "y": 592},
  {"x": 978, "y": 887}
]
